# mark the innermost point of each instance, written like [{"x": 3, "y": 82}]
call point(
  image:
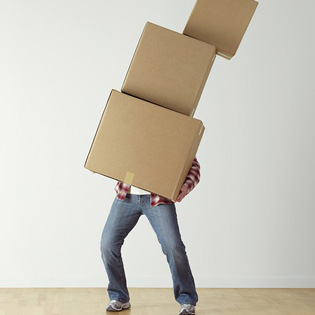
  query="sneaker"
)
[
  {"x": 116, "y": 306},
  {"x": 187, "y": 309}
]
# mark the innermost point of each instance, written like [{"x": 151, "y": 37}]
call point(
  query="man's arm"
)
[{"x": 192, "y": 179}]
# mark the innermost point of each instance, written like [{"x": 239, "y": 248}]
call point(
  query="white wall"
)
[{"x": 250, "y": 221}]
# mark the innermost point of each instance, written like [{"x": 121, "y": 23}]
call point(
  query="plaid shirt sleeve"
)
[{"x": 193, "y": 176}]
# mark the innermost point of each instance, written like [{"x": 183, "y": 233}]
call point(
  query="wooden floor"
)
[{"x": 93, "y": 301}]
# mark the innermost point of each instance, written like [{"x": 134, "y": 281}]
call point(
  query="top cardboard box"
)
[
  {"x": 221, "y": 23},
  {"x": 169, "y": 69}
]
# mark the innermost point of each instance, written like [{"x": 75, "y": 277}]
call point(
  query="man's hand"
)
[{"x": 182, "y": 194}]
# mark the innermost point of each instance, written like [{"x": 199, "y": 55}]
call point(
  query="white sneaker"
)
[
  {"x": 116, "y": 306},
  {"x": 187, "y": 309}
]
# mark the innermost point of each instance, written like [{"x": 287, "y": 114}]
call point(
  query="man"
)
[{"x": 129, "y": 204}]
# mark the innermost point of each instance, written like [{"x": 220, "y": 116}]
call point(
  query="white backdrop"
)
[{"x": 250, "y": 221}]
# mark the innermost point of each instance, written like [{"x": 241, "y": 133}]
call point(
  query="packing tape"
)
[{"x": 129, "y": 177}]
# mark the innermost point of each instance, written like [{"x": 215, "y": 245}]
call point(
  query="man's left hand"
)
[{"x": 182, "y": 194}]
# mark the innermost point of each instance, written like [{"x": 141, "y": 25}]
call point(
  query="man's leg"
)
[
  {"x": 163, "y": 219},
  {"x": 122, "y": 218}
]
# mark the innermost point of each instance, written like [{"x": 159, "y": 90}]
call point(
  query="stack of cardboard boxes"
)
[{"x": 147, "y": 136}]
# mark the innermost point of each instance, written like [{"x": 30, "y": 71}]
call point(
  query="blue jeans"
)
[{"x": 123, "y": 216}]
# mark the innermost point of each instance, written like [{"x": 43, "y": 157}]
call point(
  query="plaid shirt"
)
[{"x": 192, "y": 179}]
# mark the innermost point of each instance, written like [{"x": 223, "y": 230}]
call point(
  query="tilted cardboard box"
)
[
  {"x": 144, "y": 145},
  {"x": 169, "y": 69},
  {"x": 221, "y": 23}
]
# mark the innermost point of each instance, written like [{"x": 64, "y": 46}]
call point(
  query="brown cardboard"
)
[
  {"x": 145, "y": 145},
  {"x": 169, "y": 69},
  {"x": 221, "y": 23}
]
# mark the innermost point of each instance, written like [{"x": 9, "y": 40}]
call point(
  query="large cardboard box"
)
[
  {"x": 221, "y": 23},
  {"x": 169, "y": 69},
  {"x": 144, "y": 145}
]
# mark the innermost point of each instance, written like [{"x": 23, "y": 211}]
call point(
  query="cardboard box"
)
[
  {"x": 221, "y": 23},
  {"x": 144, "y": 145},
  {"x": 169, "y": 69}
]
